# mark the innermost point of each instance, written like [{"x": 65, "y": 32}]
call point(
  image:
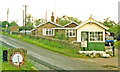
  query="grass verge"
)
[{"x": 50, "y": 45}]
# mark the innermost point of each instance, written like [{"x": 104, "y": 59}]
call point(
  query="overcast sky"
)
[{"x": 81, "y": 9}]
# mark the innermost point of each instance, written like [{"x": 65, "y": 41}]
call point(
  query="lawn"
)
[{"x": 9, "y": 66}]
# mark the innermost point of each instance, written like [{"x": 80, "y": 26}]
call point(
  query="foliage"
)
[
  {"x": 115, "y": 29},
  {"x": 23, "y": 28},
  {"x": 108, "y": 22},
  {"x": 61, "y": 36},
  {"x": 117, "y": 44},
  {"x": 110, "y": 53},
  {"x": 3, "y": 25},
  {"x": 90, "y": 55},
  {"x": 29, "y": 22},
  {"x": 13, "y": 23},
  {"x": 83, "y": 55},
  {"x": 65, "y": 20},
  {"x": 39, "y": 21}
]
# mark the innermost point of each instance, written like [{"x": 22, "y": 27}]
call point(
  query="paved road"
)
[{"x": 66, "y": 63}]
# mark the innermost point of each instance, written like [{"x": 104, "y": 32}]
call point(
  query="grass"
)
[
  {"x": 50, "y": 45},
  {"x": 109, "y": 66},
  {"x": 9, "y": 66}
]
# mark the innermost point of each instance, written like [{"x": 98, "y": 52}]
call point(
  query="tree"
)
[
  {"x": 3, "y": 24},
  {"x": 63, "y": 22},
  {"x": 39, "y": 21},
  {"x": 109, "y": 23},
  {"x": 65, "y": 19},
  {"x": 13, "y": 23},
  {"x": 29, "y": 23}
]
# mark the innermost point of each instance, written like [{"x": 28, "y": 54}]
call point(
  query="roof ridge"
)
[{"x": 70, "y": 23}]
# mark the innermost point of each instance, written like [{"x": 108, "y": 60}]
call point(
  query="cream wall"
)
[{"x": 90, "y": 27}]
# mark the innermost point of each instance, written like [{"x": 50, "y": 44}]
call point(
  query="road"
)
[{"x": 58, "y": 60}]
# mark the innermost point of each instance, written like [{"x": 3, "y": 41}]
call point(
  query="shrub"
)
[
  {"x": 19, "y": 36},
  {"x": 110, "y": 53},
  {"x": 61, "y": 36},
  {"x": 117, "y": 45},
  {"x": 97, "y": 55}
]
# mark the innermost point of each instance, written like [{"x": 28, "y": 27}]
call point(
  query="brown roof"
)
[{"x": 13, "y": 27}]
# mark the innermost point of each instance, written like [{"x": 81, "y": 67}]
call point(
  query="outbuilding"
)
[{"x": 91, "y": 35}]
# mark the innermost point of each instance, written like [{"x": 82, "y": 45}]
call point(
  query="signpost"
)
[
  {"x": 17, "y": 59},
  {"x": 83, "y": 44},
  {"x": 6, "y": 27}
]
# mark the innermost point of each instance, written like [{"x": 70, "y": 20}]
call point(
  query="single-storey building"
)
[
  {"x": 14, "y": 28},
  {"x": 90, "y": 34}
]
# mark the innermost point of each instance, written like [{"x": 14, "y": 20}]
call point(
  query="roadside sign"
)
[
  {"x": 6, "y": 25},
  {"x": 83, "y": 43},
  {"x": 17, "y": 59}
]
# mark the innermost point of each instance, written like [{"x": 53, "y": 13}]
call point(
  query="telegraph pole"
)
[
  {"x": 23, "y": 18},
  {"x": 7, "y": 14}
]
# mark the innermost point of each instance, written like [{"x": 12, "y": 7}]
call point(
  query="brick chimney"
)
[
  {"x": 52, "y": 18},
  {"x": 57, "y": 20}
]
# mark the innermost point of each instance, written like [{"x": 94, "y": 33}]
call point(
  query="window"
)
[
  {"x": 96, "y": 36},
  {"x": 48, "y": 32},
  {"x": 71, "y": 32}
]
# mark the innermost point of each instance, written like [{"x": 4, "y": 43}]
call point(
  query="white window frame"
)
[
  {"x": 52, "y": 32},
  {"x": 70, "y": 30},
  {"x": 97, "y": 36}
]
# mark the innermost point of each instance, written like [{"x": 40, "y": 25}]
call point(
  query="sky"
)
[{"x": 82, "y": 9}]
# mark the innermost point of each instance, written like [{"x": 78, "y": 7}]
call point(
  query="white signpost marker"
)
[
  {"x": 17, "y": 59},
  {"x": 83, "y": 43}
]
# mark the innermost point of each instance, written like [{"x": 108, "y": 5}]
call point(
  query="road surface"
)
[{"x": 64, "y": 62}]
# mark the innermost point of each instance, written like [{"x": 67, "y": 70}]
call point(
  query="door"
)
[{"x": 84, "y": 40}]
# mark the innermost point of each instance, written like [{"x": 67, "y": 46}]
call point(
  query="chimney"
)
[
  {"x": 57, "y": 20},
  {"x": 52, "y": 18}
]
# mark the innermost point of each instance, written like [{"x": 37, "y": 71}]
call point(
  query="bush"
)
[
  {"x": 61, "y": 36},
  {"x": 19, "y": 36},
  {"x": 117, "y": 45},
  {"x": 110, "y": 53},
  {"x": 97, "y": 55}
]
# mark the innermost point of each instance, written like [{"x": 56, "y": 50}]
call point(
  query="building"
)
[
  {"x": 45, "y": 29},
  {"x": 90, "y": 34},
  {"x": 27, "y": 31},
  {"x": 14, "y": 28}
]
